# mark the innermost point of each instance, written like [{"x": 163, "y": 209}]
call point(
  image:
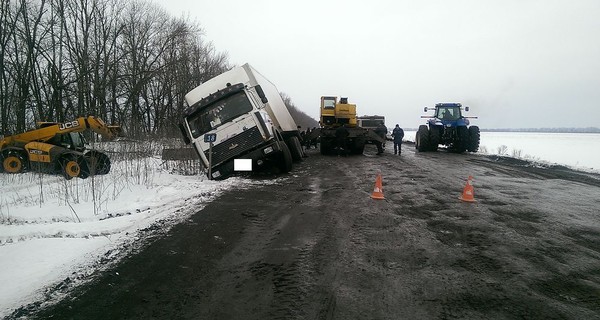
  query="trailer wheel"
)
[
  {"x": 474, "y": 137},
  {"x": 295, "y": 148},
  {"x": 285, "y": 162},
  {"x": 358, "y": 147},
  {"x": 422, "y": 138},
  {"x": 325, "y": 146},
  {"x": 13, "y": 162}
]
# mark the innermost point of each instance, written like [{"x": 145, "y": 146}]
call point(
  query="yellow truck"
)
[
  {"x": 339, "y": 128},
  {"x": 57, "y": 148}
]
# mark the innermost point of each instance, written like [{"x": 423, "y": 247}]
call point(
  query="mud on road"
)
[{"x": 314, "y": 245}]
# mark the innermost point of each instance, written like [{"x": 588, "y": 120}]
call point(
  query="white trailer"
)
[{"x": 242, "y": 115}]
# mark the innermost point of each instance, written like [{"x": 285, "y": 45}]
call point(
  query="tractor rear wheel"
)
[
  {"x": 474, "y": 137},
  {"x": 422, "y": 138},
  {"x": 462, "y": 134},
  {"x": 434, "y": 138}
]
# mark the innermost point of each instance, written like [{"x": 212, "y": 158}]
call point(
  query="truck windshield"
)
[{"x": 219, "y": 112}]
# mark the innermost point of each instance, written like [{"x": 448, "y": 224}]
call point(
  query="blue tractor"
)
[{"x": 447, "y": 127}]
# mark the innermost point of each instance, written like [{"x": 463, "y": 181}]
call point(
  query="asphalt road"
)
[{"x": 316, "y": 246}]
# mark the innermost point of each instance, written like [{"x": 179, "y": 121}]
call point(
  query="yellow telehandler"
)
[{"x": 57, "y": 148}]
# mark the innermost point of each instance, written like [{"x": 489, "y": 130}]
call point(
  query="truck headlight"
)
[
  {"x": 216, "y": 174},
  {"x": 268, "y": 150}
]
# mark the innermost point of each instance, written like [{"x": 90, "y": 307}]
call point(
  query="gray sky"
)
[{"x": 516, "y": 63}]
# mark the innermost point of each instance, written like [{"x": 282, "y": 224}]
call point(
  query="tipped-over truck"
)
[
  {"x": 56, "y": 147},
  {"x": 240, "y": 115},
  {"x": 448, "y": 127},
  {"x": 339, "y": 117}
]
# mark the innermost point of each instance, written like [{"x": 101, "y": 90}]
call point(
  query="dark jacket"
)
[
  {"x": 398, "y": 134},
  {"x": 381, "y": 130}
]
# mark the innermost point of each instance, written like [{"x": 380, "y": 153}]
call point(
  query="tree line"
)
[{"x": 127, "y": 62}]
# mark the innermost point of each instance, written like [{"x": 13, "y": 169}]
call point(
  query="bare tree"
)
[
  {"x": 125, "y": 61},
  {"x": 7, "y": 33}
]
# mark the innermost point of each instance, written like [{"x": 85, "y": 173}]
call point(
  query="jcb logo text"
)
[{"x": 68, "y": 125}]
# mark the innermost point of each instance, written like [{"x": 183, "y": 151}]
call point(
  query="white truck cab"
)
[{"x": 243, "y": 116}]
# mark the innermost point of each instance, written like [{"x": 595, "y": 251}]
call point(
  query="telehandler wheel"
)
[
  {"x": 98, "y": 163},
  {"x": 84, "y": 171},
  {"x": 13, "y": 163},
  {"x": 73, "y": 166}
]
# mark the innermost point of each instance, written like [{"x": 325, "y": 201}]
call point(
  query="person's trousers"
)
[{"x": 397, "y": 147}]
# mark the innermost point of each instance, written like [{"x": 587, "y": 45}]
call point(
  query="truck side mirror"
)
[
  {"x": 425, "y": 109},
  {"x": 261, "y": 94},
  {"x": 466, "y": 108}
]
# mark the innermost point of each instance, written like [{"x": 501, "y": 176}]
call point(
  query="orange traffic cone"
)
[
  {"x": 378, "y": 190},
  {"x": 468, "y": 191}
]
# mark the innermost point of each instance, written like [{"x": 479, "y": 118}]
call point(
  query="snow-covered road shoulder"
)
[{"x": 52, "y": 229}]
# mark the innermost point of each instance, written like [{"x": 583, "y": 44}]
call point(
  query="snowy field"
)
[
  {"x": 52, "y": 230},
  {"x": 576, "y": 150}
]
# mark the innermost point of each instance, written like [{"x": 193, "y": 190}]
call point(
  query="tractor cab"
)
[{"x": 445, "y": 112}]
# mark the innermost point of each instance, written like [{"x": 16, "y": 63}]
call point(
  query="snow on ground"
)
[
  {"x": 52, "y": 229},
  {"x": 580, "y": 151}
]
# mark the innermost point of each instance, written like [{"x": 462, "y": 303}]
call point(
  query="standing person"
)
[
  {"x": 381, "y": 131},
  {"x": 398, "y": 135}
]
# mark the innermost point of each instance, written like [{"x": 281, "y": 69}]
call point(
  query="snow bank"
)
[{"x": 52, "y": 229}]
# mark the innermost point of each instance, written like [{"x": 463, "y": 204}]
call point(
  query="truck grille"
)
[{"x": 235, "y": 146}]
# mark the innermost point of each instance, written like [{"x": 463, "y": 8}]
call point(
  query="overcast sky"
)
[{"x": 515, "y": 63}]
